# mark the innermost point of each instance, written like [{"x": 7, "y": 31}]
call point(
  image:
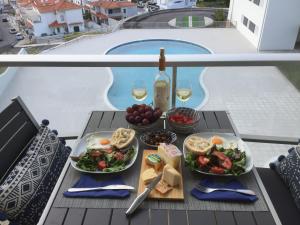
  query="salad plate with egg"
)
[
  {"x": 105, "y": 152},
  {"x": 217, "y": 154}
]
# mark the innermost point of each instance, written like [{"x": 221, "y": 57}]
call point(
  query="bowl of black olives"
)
[{"x": 154, "y": 138}]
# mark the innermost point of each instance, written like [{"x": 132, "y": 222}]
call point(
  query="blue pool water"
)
[{"x": 119, "y": 93}]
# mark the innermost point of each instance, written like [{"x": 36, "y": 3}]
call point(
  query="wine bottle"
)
[{"x": 162, "y": 85}]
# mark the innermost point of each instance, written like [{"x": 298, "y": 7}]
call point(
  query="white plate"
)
[
  {"x": 81, "y": 147},
  {"x": 241, "y": 145}
]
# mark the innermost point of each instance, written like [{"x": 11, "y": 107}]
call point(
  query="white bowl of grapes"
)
[{"x": 142, "y": 117}]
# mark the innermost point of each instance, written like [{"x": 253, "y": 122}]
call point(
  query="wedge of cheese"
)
[
  {"x": 148, "y": 175},
  {"x": 171, "y": 176},
  {"x": 170, "y": 154}
]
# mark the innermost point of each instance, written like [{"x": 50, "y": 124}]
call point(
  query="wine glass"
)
[
  {"x": 139, "y": 90},
  {"x": 183, "y": 91}
]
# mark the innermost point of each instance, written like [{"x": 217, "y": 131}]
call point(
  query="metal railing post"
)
[{"x": 174, "y": 84}]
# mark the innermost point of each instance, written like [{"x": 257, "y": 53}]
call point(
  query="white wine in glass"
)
[
  {"x": 184, "y": 90},
  {"x": 183, "y": 94},
  {"x": 139, "y": 91}
]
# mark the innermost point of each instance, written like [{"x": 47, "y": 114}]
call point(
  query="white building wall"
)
[
  {"x": 130, "y": 11},
  {"x": 61, "y": 17},
  {"x": 282, "y": 24},
  {"x": 240, "y": 8},
  {"x": 1, "y": 4},
  {"x": 277, "y": 22},
  {"x": 74, "y": 16},
  {"x": 43, "y": 26}
]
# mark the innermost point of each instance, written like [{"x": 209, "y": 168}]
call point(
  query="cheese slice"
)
[
  {"x": 170, "y": 154},
  {"x": 148, "y": 175},
  {"x": 162, "y": 187},
  {"x": 171, "y": 176}
]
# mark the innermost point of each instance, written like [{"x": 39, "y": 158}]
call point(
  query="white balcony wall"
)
[
  {"x": 8, "y": 75},
  {"x": 282, "y": 24}
]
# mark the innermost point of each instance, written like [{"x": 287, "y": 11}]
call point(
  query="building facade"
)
[
  {"x": 49, "y": 17},
  {"x": 1, "y": 5},
  {"x": 175, "y": 4},
  {"x": 102, "y": 10},
  {"x": 267, "y": 24}
]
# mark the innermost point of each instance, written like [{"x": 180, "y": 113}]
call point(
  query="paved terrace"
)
[{"x": 260, "y": 99}]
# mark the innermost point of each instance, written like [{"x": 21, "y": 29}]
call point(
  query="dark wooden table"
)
[{"x": 218, "y": 121}]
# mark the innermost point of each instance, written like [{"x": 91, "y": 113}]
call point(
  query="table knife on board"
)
[{"x": 141, "y": 197}]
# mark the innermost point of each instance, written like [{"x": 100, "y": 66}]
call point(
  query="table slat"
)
[
  {"x": 224, "y": 218},
  {"x": 244, "y": 218},
  {"x": 223, "y": 120},
  {"x": 119, "y": 218},
  {"x": 74, "y": 216},
  {"x": 211, "y": 120},
  {"x": 263, "y": 218},
  {"x": 140, "y": 217},
  {"x": 119, "y": 120},
  {"x": 158, "y": 217},
  {"x": 202, "y": 123},
  {"x": 93, "y": 122},
  {"x": 106, "y": 120},
  {"x": 56, "y": 216},
  {"x": 205, "y": 217},
  {"x": 97, "y": 217},
  {"x": 178, "y": 217}
]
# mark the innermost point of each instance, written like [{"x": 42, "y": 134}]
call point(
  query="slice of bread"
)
[
  {"x": 198, "y": 145},
  {"x": 122, "y": 137}
]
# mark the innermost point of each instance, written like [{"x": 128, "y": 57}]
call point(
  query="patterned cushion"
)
[
  {"x": 26, "y": 190},
  {"x": 288, "y": 169}
]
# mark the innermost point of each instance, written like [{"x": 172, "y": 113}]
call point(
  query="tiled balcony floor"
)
[{"x": 260, "y": 99}]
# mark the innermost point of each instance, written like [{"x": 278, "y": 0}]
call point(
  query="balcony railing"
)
[{"x": 174, "y": 61}]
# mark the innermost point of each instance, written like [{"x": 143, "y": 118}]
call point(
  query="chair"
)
[{"x": 17, "y": 130}]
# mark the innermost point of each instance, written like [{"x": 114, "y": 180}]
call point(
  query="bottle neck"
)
[{"x": 162, "y": 63}]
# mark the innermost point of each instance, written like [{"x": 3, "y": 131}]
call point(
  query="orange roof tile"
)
[
  {"x": 54, "y": 5},
  {"x": 100, "y": 15},
  {"x": 56, "y": 24},
  {"x": 112, "y": 5}
]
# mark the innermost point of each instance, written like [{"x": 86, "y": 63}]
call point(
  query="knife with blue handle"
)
[{"x": 141, "y": 197}]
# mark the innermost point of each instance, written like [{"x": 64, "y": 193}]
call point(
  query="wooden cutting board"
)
[{"x": 175, "y": 194}]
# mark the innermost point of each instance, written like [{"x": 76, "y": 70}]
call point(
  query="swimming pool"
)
[{"x": 119, "y": 93}]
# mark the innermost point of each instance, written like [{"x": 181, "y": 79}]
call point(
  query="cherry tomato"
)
[
  {"x": 216, "y": 170},
  {"x": 101, "y": 165},
  {"x": 227, "y": 164},
  {"x": 202, "y": 160}
]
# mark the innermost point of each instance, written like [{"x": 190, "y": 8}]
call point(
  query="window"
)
[
  {"x": 249, "y": 24},
  {"x": 245, "y": 21},
  {"x": 110, "y": 11},
  {"x": 252, "y": 26},
  {"x": 124, "y": 10},
  {"x": 257, "y": 2},
  {"x": 62, "y": 18}
]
